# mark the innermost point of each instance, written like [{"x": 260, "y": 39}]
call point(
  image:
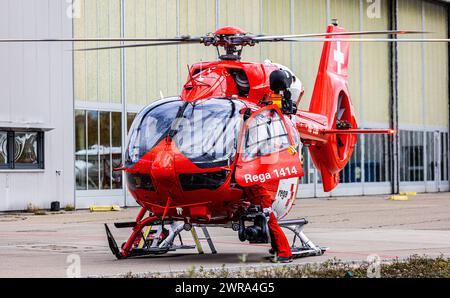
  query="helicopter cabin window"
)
[
  {"x": 151, "y": 126},
  {"x": 266, "y": 134},
  {"x": 205, "y": 132},
  {"x": 208, "y": 132},
  {"x": 21, "y": 150}
]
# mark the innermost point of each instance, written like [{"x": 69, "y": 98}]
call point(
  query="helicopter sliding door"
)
[{"x": 268, "y": 152}]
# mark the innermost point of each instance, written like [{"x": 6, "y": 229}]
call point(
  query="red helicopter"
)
[{"x": 235, "y": 125}]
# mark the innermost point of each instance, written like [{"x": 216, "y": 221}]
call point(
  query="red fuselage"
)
[
  {"x": 166, "y": 180},
  {"x": 203, "y": 194}
]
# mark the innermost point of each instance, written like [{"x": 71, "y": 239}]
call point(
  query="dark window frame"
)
[
  {"x": 116, "y": 179},
  {"x": 11, "y": 164}
]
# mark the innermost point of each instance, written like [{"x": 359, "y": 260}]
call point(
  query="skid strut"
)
[
  {"x": 306, "y": 247},
  {"x": 112, "y": 243}
]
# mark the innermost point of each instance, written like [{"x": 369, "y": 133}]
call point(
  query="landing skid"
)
[{"x": 150, "y": 237}]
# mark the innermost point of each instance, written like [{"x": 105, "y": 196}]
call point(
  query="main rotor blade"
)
[
  {"x": 139, "y": 45},
  {"x": 282, "y": 37},
  {"x": 367, "y": 40},
  {"x": 132, "y": 39}
]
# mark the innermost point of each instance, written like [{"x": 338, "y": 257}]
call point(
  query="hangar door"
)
[{"x": 423, "y": 105}]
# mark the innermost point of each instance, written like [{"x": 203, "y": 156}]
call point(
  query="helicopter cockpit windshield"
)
[{"x": 206, "y": 131}]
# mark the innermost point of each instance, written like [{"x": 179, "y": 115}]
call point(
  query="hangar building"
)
[{"x": 64, "y": 115}]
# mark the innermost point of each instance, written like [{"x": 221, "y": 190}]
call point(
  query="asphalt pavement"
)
[{"x": 353, "y": 228}]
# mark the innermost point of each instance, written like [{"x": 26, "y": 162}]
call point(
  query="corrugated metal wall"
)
[
  {"x": 436, "y": 68},
  {"x": 97, "y": 73},
  {"x": 309, "y": 16},
  {"x": 375, "y": 72},
  {"x": 150, "y": 71},
  {"x": 348, "y": 12},
  {"x": 423, "y": 98},
  {"x": 423, "y": 68},
  {"x": 410, "y": 66},
  {"x": 276, "y": 17}
]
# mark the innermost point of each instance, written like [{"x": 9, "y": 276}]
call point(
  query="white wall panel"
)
[
  {"x": 436, "y": 69},
  {"x": 310, "y": 16},
  {"x": 348, "y": 15},
  {"x": 36, "y": 83},
  {"x": 245, "y": 15},
  {"x": 410, "y": 66},
  {"x": 375, "y": 82},
  {"x": 151, "y": 72},
  {"x": 277, "y": 20},
  {"x": 97, "y": 73},
  {"x": 197, "y": 17}
]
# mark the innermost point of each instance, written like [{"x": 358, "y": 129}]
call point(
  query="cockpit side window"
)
[
  {"x": 150, "y": 127},
  {"x": 266, "y": 134}
]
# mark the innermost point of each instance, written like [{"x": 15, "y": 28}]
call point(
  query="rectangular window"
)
[
  {"x": 80, "y": 150},
  {"x": 3, "y": 149},
  {"x": 352, "y": 172},
  {"x": 431, "y": 156},
  {"x": 376, "y": 155},
  {"x": 92, "y": 150},
  {"x": 105, "y": 150},
  {"x": 21, "y": 150},
  {"x": 411, "y": 156},
  {"x": 98, "y": 150},
  {"x": 116, "y": 149}
]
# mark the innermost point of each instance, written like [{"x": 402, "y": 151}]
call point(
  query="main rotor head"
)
[{"x": 231, "y": 39}]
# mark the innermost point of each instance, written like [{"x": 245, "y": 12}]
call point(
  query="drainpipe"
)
[
  {"x": 123, "y": 98},
  {"x": 393, "y": 102}
]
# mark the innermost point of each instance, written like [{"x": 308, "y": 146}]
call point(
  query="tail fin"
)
[
  {"x": 332, "y": 75},
  {"x": 331, "y": 98}
]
